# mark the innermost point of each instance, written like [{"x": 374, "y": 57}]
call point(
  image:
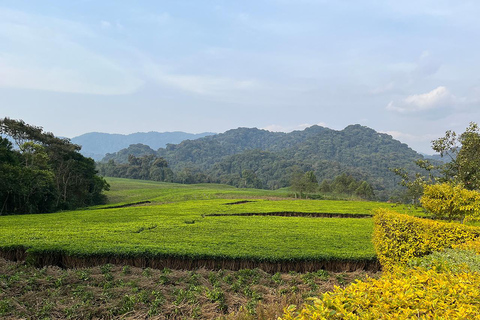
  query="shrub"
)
[
  {"x": 405, "y": 294},
  {"x": 399, "y": 237},
  {"x": 452, "y": 202}
]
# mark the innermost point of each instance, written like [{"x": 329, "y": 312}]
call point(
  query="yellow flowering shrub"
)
[
  {"x": 399, "y": 237},
  {"x": 405, "y": 294}
]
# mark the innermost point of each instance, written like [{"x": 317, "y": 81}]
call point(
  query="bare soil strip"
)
[
  {"x": 187, "y": 263},
  {"x": 237, "y": 202},
  {"x": 293, "y": 214},
  {"x": 128, "y": 205}
]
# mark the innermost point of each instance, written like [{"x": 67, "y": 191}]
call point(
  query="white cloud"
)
[
  {"x": 204, "y": 85},
  {"x": 44, "y": 53},
  {"x": 105, "y": 24},
  {"x": 439, "y": 98}
]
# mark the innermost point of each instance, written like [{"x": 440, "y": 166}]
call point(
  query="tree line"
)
[{"x": 43, "y": 173}]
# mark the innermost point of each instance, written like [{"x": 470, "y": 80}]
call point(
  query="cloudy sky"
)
[{"x": 407, "y": 68}]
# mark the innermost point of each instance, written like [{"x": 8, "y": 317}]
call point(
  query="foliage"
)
[
  {"x": 405, "y": 294},
  {"x": 399, "y": 237},
  {"x": 464, "y": 153},
  {"x": 462, "y": 167},
  {"x": 425, "y": 279},
  {"x": 273, "y": 157},
  {"x": 346, "y": 184},
  {"x": 147, "y": 167},
  {"x": 452, "y": 202},
  {"x": 304, "y": 182},
  {"x": 415, "y": 183},
  {"x": 45, "y": 174},
  {"x": 472, "y": 245},
  {"x": 449, "y": 260},
  {"x": 180, "y": 223}
]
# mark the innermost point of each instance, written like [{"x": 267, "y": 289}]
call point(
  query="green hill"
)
[{"x": 271, "y": 158}]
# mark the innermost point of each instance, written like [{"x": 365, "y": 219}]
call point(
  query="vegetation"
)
[
  {"x": 464, "y": 153},
  {"x": 406, "y": 294},
  {"x": 452, "y": 202},
  {"x": 147, "y": 167},
  {"x": 45, "y": 173},
  {"x": 425, "y": 278},
  {"x": 186, "y": 230},
  {"x": 115, "y": 291},
  {"x": 198, "y": 222},
  {"x": 257, "y": 158},
  {"x": 462, "y": 167},
  {"x": 398, "y": 237}
]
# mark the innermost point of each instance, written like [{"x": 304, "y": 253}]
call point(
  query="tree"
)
[
  {"x": 414, "y": 184},
  {"x": 46, "y": 173},
  {"x": 250, "y": 180},
  {"x": 451, "y": 201},
  {"x": 464, "y": 154},
  {"x": 304, "y": 182},
  {"x": 364, "y": 190}
]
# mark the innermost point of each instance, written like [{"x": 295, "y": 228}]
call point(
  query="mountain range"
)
[{"x": 96, "y": 145}]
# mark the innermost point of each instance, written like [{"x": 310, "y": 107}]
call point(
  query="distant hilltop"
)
[
  {"x": 270, "y": 158},
  {"x": 96, "y": 144}
]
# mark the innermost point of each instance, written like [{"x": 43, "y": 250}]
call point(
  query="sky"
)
[{"x": 407, "y": 68}]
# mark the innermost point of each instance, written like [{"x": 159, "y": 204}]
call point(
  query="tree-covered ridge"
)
[
  {"x": 259, "y": 158},
  {"x": 44, "y": 173}
]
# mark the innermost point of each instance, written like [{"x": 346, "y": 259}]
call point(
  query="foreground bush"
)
[
  {"x": 473, "y": 245},
  {"x": 399, "y": 237},
  {"x": 406, "y": 294}
]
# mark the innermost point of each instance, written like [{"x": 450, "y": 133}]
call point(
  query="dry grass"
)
[{"x": 124, "y": 292}]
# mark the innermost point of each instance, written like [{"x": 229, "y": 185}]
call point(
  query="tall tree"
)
[{"x": 464, "y": 154}]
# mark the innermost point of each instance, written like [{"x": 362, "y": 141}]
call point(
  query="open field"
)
[{"x": 180, "y": 226}]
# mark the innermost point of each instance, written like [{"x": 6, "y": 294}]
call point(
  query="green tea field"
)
[{"x": 150, "y": 224}]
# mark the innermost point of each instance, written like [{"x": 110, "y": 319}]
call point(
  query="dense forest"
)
[
  {"x": 250, "y": 157},
  {"x": 43, "y": 173}
]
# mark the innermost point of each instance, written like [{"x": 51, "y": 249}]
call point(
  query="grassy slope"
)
[{"x": 178, "y": 225}]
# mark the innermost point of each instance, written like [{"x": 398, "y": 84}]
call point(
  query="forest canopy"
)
[{"x": 43, "y": 173}]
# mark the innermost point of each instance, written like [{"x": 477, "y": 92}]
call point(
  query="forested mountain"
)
[
  {"x": 260, "y": 158},
  {"x": 96, "y": 145}
]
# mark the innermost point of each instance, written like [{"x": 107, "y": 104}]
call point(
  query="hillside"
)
[
  {"x": 96, "y": 145},
  {"x": 260, "y": 158}
]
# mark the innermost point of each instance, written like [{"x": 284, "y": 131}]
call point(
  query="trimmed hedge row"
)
[
  {"x": 406, "y": 294},
  {"x": 399, "y": 237},
  {"x": 440, "y": 287}
]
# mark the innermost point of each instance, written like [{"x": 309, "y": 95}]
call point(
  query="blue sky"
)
[{"x": 407, "y": 68}]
